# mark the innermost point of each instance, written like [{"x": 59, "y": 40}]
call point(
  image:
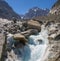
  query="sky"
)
[{"x": 22, "y": 6}]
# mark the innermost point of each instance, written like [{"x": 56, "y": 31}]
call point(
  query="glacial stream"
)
[{"x": 34, "y": 50}]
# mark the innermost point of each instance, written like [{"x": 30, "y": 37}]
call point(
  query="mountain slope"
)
[
  {"x": 55, "y": 8},
  {"x": 6, "y": 11},
  {"x": 35, "y": 12}
]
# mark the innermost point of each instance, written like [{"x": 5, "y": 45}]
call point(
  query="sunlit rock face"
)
[
  {"x": 55, "y": 8},
  {"x": 54, "y": 42}
]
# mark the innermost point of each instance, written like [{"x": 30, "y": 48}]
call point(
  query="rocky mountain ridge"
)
[
  {"x": 6, "y": 11},
  {"x": 35, "y": 12}
]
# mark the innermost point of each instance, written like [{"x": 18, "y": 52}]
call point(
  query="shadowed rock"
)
[{"x": 57, "y": 37}]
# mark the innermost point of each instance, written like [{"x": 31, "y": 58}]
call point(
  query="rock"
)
[
  {"x": 55, "y": 10},
  {"x": 31, "y": 24},
  {"x": 34, "y": 25},
  {"x": 54, "y": 54},
  {"x": 40, "y": 21},
  {"x": 33, "y": 31},
  {"x": 20, "y": 39},
  {"x": 53, "y": 32},
  {"x": 18, "y": 36},
  {"x": 48, "y": 23},
  {"x": 11, "y": 56},
  {"x": 12, "y": 28},
  {"x": 40, "y": 41},
  {"x": 0, "y": 30},
  {"x": 10, "y": 41},
  {"x": 14, "y": 20},
  {"x": 58, "y": 25},
  {"x": 50, "y": 38},
  {"x": 53, "y": 29},
  {"x": 57, "y": 37},
  {"x": 29, "y": 32},
  {"x": 2, "y": 47},
  {"x": 25, "y": 24}
]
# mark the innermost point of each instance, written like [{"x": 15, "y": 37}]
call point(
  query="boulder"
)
[
  {"x": 20, "y": 39},
  {"x": 50, "y": 38},
  {"x": 29, "y": 32},
  {"x": 57, "y": 37},
  {"x": 48, "y": 23},
  {"x": 34, "y": 25},
  {"x": 40, "y": 41},
  {"x": 53, "y": 31}
]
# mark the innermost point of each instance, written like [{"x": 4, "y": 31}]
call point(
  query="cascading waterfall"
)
[{"x": 35, "y": 49}]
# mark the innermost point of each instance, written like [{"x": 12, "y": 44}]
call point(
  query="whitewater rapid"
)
[{"x": 35, "y": 49}]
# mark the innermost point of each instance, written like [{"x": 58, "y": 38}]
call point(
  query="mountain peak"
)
[{"x": 35, "y": 12}]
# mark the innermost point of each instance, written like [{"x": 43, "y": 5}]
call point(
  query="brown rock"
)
[
  {"x": 50, "y": 38},
  {"x": 29, "y": 32},
  {"x": 20, "y": 39},
  {"x": 34, "y": 25}
]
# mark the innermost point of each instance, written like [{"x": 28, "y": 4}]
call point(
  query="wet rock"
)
[
  {"x": 40, "y": 41},
  {"x": 29, "y": 32},
  {"x": 10, "y": 42},
  {"x": 20, "y": 39}
]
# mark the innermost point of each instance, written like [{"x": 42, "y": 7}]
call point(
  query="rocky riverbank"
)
[{"x": 18, "y": 34}]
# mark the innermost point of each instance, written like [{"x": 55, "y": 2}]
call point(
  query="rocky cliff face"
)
[
  {"x": 56, "y": 8},
  {"x": 6, "y": 11}
]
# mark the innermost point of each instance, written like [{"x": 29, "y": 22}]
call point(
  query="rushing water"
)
[{"x": 35, "y": 49}]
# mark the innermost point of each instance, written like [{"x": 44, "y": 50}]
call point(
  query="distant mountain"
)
[
  {"x": 6, "y": 11},
  {"x": 35, "y": 12}
]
